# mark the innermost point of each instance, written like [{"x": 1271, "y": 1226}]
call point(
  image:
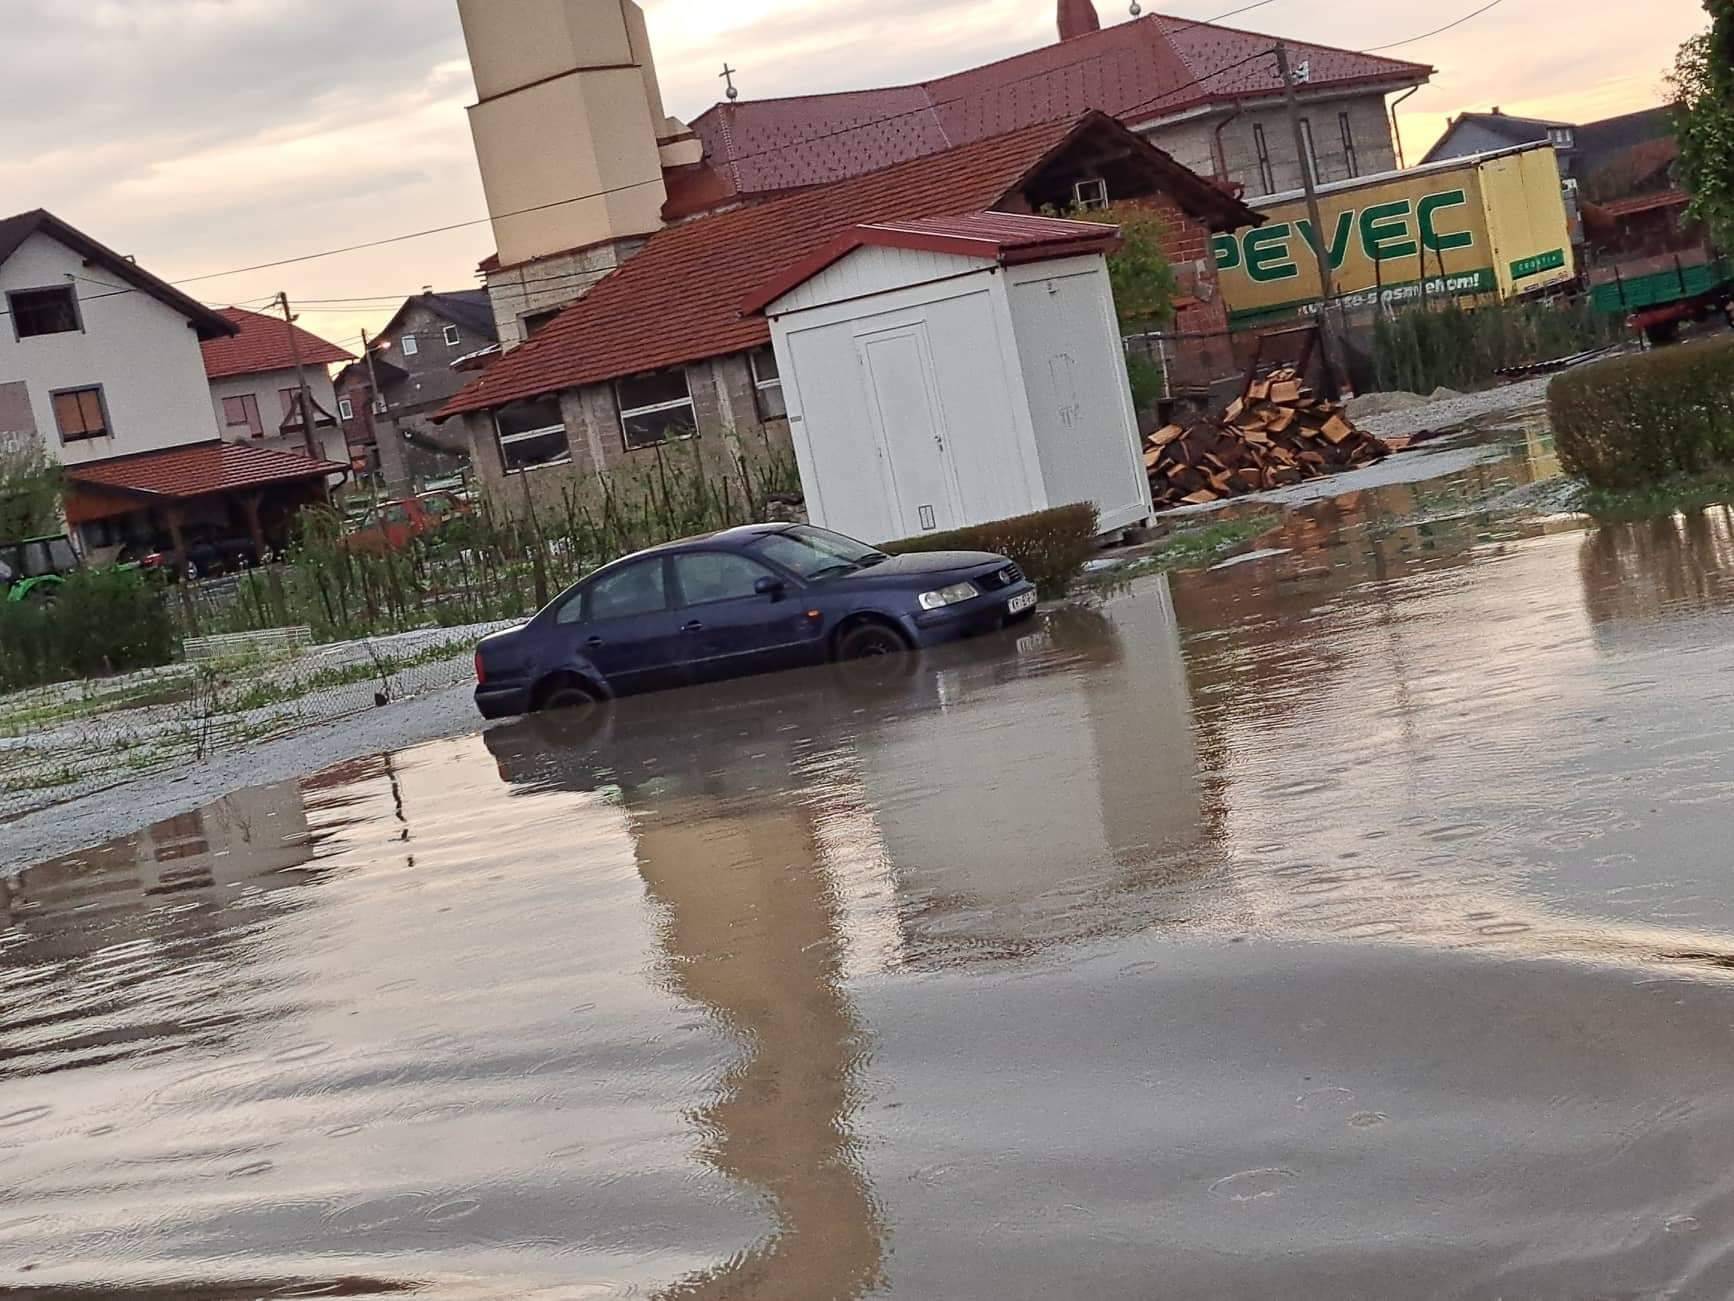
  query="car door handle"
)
[
  {"x": 694, "y": 626},
  {"x": 595, "y": 643}
]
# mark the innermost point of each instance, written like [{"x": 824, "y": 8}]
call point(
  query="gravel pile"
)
[{"x": 1449, "y": 412}]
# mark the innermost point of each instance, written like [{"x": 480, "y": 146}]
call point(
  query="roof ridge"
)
[{"x": 1292, "y": 41}]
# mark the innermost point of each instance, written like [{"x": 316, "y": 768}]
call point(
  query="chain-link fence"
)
[{"x": 59, "y": 743}]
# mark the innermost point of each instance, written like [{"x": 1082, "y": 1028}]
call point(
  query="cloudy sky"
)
[{"x": 206, "y": 135}]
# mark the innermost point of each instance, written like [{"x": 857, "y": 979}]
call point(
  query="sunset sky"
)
[{"x": 205, "y": 135}]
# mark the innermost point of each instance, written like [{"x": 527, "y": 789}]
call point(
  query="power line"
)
[
  {"x": 1167, "y": 94},
  {"x": 1437, "y": 30}
]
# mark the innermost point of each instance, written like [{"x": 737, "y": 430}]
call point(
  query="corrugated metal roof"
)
[{"x": 991, "y": 236}]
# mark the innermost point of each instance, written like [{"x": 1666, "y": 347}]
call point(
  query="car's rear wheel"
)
[
  {"x": 870, "y": 641},
  {"x": 566, "y": 695}
]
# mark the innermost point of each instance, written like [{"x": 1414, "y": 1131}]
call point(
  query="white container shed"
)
[{"x": 956, "y": 371}]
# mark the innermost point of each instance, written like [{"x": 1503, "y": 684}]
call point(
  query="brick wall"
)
[{"x": 725, "y": 411}]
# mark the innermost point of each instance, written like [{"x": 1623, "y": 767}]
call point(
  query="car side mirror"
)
[{"x": 775, "y": 588}]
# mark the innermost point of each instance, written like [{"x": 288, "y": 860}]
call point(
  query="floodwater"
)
[{"x": 1355, "y": 922}]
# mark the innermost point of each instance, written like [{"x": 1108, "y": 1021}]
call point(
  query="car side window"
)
[
  {"x": 709, "y": 576},
  {"x": 639, "y": 588}
]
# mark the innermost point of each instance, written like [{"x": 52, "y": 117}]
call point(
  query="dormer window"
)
[
  {"x": 1092, "y": 195},
  {"x": 1560, "y": 137}
]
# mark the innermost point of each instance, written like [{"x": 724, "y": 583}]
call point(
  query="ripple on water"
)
[{"x": 1253, "y": 1185}]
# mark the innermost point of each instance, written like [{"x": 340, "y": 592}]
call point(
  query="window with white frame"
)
[
  {"x": 1091, "y": 195},
  {"x": 532, "y": 434},
  {"x": 345, "y": 409},
  {"x": 410, "y": 344},
  {"x": 655, "y": 408},
  {"x": 454, "y": 336},
  {"x": 768, "y": 384}
]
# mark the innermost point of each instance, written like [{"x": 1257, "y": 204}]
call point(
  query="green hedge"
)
[
  {"x": 1635, "y": 420},
  {"x": 101, "y": 621},
  {"x": 1051, "y": 546}
]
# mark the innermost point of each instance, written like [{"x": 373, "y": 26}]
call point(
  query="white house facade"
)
[{"x": 110, "y": 361}]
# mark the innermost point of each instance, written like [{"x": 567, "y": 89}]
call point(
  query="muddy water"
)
[{"x": 1354, "y": 922}]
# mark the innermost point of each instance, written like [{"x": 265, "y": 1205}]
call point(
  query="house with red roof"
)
[
  {"x": 256, "y": 389},
  {"x": 1208, "y": 95},
  {"x": 103, "y": 369},
  {"x": 669, "y": 350}
]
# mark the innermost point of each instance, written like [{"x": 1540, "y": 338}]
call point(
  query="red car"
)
[{"x": 393, "y": 525}]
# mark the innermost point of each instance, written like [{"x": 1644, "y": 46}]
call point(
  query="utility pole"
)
[
  {"x": 387, "y": 439},
  {"x": 307, "y": 430},
  {"x": 1327, "y": 282}
]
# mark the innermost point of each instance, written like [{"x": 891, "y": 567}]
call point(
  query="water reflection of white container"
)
[{"x": 1029, "y": 788}]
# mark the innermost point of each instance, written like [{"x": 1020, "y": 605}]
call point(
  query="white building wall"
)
[
  {"x": 850, "y": 466},
  {"x": 1080, "y": 400},
  {"x": 266, "y": 389},
  {"x": 143, "y": 353}
]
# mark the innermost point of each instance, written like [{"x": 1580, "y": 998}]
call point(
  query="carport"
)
[{"x": 234, "y": 488}]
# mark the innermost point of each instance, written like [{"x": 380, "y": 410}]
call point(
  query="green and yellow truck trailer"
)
[{"x": 1479, "y": 229}]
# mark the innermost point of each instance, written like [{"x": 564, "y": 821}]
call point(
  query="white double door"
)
[{"x": 914, "y": 445}]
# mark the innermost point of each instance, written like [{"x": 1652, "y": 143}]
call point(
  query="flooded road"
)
[{"x": 1355, "y": 922}]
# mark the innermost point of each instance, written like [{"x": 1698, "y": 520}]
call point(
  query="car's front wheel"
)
[{"x": 869, "y": 641}]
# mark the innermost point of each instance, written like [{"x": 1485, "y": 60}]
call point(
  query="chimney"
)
[{"x": 1078, "y": 18}]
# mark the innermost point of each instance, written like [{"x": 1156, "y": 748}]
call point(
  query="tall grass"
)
[
  {"x": 1419, "y": 350},
  {"x": 504, "y": 562}
]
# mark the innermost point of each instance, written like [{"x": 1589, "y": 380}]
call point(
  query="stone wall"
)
[{"x": 551, "y": 283}]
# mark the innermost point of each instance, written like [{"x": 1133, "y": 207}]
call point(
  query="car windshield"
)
[{"x": 817, "y": 554}]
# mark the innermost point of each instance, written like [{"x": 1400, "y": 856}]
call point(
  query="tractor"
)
[{"x": 35, "y": 569}]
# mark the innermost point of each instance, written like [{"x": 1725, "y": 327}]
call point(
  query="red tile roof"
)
[
  {"x": 263, "y": 345},
  {"x": 1136, "y": 71},
  {"x": 992, "y": 236},
  {"x": 200, "y": 470},
  {"x": 679, "y": 300}
]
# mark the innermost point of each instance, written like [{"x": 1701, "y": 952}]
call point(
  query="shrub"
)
[
  {"x": 101, "y": 621},
  {"x": 1050, "y": 546},
  {"x": 1638, "y": 419}
]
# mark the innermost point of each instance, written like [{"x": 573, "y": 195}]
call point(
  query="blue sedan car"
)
[{"x": 749, "y": 600}]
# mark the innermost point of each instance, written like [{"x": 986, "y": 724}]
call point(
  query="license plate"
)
[{"x": 1018, "y": 604}]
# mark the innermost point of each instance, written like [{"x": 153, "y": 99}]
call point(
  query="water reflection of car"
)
[{"x": 748, "y": 600}]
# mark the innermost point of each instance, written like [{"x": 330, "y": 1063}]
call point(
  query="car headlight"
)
[{"x": 956, "y": 594}]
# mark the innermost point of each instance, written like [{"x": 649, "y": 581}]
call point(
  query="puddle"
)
[{"x": 1344, "y": 922}]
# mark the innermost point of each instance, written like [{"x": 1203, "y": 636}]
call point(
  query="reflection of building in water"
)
[
  {"x": 245, "y": 837},
  {"x": 114, "y": 929},
  {"x": 752, "y": 934},
  {"x": 1000, "y": 820},
  {"x": 751, "y": 929},
  {"x": 1669, "y": 567}
]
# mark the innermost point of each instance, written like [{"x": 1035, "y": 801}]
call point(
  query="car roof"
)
[{"x": 722, "y": 537}]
